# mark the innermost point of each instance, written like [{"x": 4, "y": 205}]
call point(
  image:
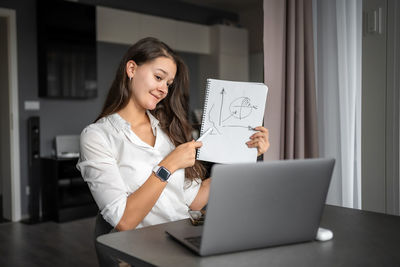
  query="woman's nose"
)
[{"x": 163, "y": 88}]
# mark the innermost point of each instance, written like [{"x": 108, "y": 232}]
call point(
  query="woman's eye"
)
[{"x": 158, "y": 78}]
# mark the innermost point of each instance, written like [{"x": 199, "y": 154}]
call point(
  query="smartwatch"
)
[{"x": 162, "y": 173}]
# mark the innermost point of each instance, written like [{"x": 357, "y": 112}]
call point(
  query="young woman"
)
[{"x": 138, "y": 158}]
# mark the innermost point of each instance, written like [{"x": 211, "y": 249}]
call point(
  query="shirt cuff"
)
[
  {"x": 191, "y": 192},
  {"x": 113, "y": 212}
]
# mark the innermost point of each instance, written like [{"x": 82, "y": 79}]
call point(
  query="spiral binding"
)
[{"x": 204, "y": 112}]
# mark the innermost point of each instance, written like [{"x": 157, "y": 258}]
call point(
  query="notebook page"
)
[{"x": 231, "y": 109}]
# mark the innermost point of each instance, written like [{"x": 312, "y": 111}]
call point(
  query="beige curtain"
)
[{"x": 290, "y": 114}]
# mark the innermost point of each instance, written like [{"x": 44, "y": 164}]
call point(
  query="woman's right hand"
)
[{"x": 182, "y": 156}]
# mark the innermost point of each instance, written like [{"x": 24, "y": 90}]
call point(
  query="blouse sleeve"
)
[
  {"x": 190, "y": 190},
  {"x": 100, "y": 171}
]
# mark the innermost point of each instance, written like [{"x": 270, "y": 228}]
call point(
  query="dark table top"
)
[{"x": 361, "y": 238}]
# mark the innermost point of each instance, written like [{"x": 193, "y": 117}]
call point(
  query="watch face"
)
[{"x": 163, "y": 173}]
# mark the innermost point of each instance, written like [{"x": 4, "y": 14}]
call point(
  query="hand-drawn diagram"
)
[{"x": 235, "y": 114}]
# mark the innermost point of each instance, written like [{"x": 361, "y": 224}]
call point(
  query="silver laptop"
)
[{"x": 257, "y": 205}]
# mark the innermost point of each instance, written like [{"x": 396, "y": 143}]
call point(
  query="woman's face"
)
[{"x": 150, "y": 81}]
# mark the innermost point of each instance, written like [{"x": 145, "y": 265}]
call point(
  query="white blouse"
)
[{"x": 115, "y": 162}]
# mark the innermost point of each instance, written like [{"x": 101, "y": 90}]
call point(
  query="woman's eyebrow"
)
[
  {"x": 162, "y": 70},
  {"x": 166, "y": 73}
]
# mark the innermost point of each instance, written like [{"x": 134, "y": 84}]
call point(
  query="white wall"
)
[
  {"x": 229, "y": 46},
  {"x": 126, "y": 27},
  {"x": 5, "y": 162},
  {"x": 373, "y": 112},
  {"x": 3, "y": 94},
  {"x": 380, "y": 111},
  {"x": 392, "y": 108}
]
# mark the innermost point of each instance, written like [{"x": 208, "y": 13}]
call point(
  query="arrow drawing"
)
[{"x": 222, "y": 104}]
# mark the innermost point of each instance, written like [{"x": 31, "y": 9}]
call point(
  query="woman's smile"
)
[{"x": 156, "y": 96}]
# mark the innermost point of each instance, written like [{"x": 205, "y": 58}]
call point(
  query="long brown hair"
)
[{"x": 172, "y": 111}]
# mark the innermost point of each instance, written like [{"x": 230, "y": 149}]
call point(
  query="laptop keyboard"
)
[{"x": 195, "y": 241}]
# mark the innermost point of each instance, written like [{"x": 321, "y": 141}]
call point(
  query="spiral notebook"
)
[{"x": 232, "y": 109}]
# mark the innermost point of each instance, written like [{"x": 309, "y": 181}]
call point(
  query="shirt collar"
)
[
  {"x": 120, "y": 124},
  {"x": 153, "y": 121}
]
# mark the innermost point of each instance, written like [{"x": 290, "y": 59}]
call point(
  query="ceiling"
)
[{"x": 236, "y": 6}]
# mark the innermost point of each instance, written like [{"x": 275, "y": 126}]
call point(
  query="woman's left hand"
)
[{"x": 260, "y": 140}]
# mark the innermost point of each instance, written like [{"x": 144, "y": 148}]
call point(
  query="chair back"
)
[{"x": 101, "y": 228}]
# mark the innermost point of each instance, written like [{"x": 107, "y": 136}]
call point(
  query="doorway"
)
[{"x": 10, "y": 196}]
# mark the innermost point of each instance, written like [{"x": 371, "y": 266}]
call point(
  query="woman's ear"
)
[{"x": 130, "y": 68}]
